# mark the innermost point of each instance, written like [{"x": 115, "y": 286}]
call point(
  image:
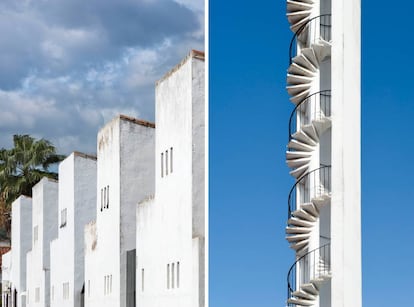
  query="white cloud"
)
[{"x": 69, "y": 66}]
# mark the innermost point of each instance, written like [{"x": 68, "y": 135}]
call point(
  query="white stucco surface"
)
[
  {"x": 170, "y": 226},
  {"x": 77, "y": 195},
  {"x": 346, "y": 149},
  {"x": 126, "y": 165},
  {"x": 21, "y": 241},
  {"x": 44, "y": 217}
]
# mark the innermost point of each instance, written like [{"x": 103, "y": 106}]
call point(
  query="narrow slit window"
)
[
  {"x": 166, "y": 162},
  {"x": 35, "y": 233},
  {"x": 178, "y": 274},
  {"x": 89, "y": 288},
  {"x": 63, "y": 218},
  {"x": 142, "y": 280},
  {"x": 172, "y": 275},
  {"x": 171, "y": 160},
  {"x": 104, "y": 197},
  {"x": 168, "y": 276},
  {"x": 107, "y": 197},
  {"x": 162, "y": 164},
  {"x": 101, "y": 199}
]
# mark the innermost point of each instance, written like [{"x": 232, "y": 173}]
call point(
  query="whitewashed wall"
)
[
  {"x": 126, "y": 165},
  {"x": 21, "y": 240},
  {"x": 6, "y": 279},
  {"x": 170, "y": 227},
  {"x": 45, "y": 217},
  {"x": 77, "y": 194}
]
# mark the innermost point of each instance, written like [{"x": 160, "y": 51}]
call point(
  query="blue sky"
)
[
  {"x": 249, "y": 181},
  {"x": 73, "y": 65}
]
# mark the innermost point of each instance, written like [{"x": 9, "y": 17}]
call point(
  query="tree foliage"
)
[{"x": 24, "y": 165}]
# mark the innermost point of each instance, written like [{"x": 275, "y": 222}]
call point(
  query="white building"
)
[
  {"x": 44, "y": 223},
  {"x": 324, "y": 226},
  {"x": 6, "y": 293},
  {"x": 14, "y": 285},
  {"x": 77, "y": 203},
  {"x": 125, "y": 175},
  {"x": 171, "y": 225}
]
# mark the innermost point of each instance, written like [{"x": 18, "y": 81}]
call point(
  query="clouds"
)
[{"x": 68, "y": 66}]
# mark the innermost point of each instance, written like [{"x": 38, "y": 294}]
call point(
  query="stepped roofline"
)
[{"x": 196, "y": 54}]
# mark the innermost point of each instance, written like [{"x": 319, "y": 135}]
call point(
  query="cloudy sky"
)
[{"x": 69, "y": 66}]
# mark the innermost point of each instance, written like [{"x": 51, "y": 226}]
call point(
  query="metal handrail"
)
[
  {"x": 310, "y": 268},
  {"x": 324, "y": 110},
  {"x": 319, "y": 175},
  {"x": 325, "y": 31}
]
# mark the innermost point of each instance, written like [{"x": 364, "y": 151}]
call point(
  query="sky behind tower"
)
[
  {"x": 69, "y": 66},
  {"x": 250, "y": 182}
]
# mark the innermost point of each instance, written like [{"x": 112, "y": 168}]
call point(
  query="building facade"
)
[
  {"x": 171, "y": 224},
  {"x": 44, "y": 230},
  {"x": 125, "y": 175},
  {"x": 14, "y": 287},
  {"x": 77, "y": 203},
  {"x": 323, "y": 153}
]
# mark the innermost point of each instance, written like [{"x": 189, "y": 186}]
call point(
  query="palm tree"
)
[{"x": 22, "y": 166}]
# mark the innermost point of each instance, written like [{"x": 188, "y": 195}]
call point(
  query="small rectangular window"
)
[
  {"x": 102, "y": 196},
  {"x": 172, "y": 275},
  {"x": 63, "y": 218},
  {"x": 168, "y": 276},
  {"x": 35, "y": 234},
  {"x": 166, "y": 162},
  {"x": 171, "y": 160},
  {"x": 162, "y": 165},
  {"x": 65, "y": 291},
  {"x": 37, "y": 295},
  {"x": 107, "y": 197},
  {"x": 142, "y": 280},
  {"x": 178, "y": 274}
]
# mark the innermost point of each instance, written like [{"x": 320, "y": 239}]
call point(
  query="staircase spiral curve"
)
[
  {"x": 304, "y": 286},
  {"x": 316, "y": 194},
  {"x": 310, "y": 46},
  {"x": 298, "y": 13}
]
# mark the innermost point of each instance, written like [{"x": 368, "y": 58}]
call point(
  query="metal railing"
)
[
  {"x": 313, "y": 107},
  {"x": 313, "y": 184},
  {"x": 311, "y": 266},
  {"x": 311, "y": 31}
]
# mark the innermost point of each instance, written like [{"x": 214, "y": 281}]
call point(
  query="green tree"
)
[{"x": 22, "y": 166}]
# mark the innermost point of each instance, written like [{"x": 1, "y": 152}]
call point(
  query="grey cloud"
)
[{"x": 69, "y": 66}]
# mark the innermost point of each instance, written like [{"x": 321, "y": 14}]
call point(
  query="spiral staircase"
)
[{"x": 310, "y": 119}]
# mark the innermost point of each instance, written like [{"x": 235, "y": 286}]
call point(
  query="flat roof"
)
[
  {"x": 137, "y": 121},
  {"x": 196, "y": 54}
]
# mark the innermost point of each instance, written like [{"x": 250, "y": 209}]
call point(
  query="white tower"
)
[{"x": 324, "y": 153}]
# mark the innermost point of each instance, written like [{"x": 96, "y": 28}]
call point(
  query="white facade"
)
[
  {"x": 324, "y": 226},
  {"x": 6, "y": 279},
  {"x": 21, "y": 240},
  {"x": 125, "y": 175},
  {"x": 170, "y": 225},
  {"x": 44, "y": 225},
  {"x": 77, "y": 206}
]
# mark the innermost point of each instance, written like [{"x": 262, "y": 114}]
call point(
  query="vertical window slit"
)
[
  {"x": 178, "y": 274},
  {"x": 162, "y": 164},
  {"x": 168, "y": 276},
  {"x": 166, "y": 162},
  {"x": 172, "y": 275},
  {"x": 142, "y": 280},
  {"x": 171, "y": 160}
]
